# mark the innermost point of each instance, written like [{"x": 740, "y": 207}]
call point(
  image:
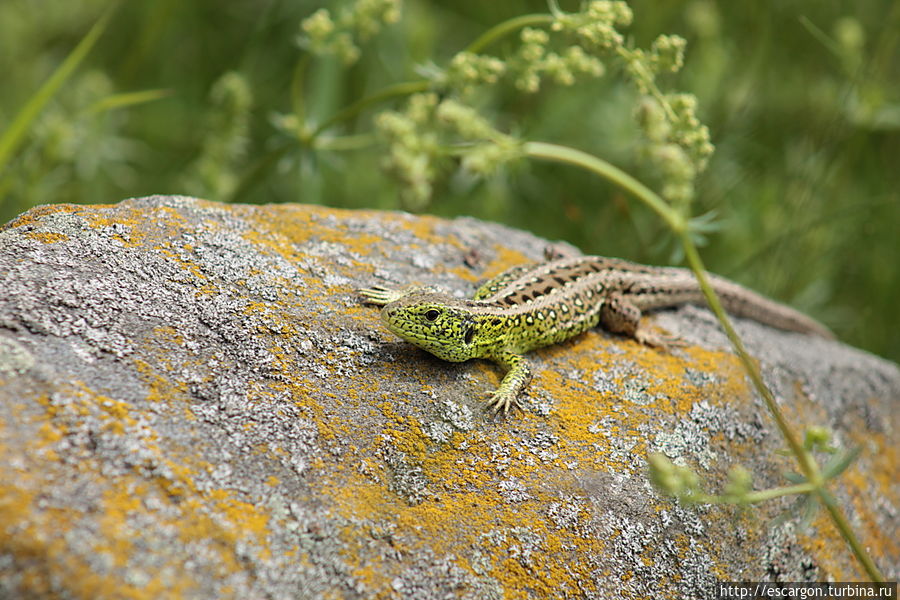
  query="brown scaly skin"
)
[{"x": 530, "y": 306}]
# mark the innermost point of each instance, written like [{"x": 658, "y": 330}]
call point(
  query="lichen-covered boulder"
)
[{"x": 194, "y": 403}]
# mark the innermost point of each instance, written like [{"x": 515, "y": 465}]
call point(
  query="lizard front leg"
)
[
  {"x": 619, "y": 315},
  {"x": 517, "y": 376}
]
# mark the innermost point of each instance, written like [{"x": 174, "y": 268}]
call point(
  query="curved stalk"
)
[
  {"x": 564, "y": 154},
  {"x": 790, "y": 490},
  {"x": 498, "y": 31}
]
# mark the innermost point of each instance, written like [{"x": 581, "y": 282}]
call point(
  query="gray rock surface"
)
[{"x": 193, "y": 403}]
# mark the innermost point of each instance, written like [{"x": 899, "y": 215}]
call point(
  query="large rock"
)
[{"x": 193, "y": 403}]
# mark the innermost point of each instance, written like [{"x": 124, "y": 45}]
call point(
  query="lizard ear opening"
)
[{"x": 470, "y": 334}]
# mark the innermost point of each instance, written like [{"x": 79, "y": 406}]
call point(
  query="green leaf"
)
[
  {"x": 116, "y": 101},
  {"x": 822, "y": 37},
  {"x": 803, "y": 509},
  {"x": 787, "y": 514},
  {"x": 794, "y": 478},
  {"x": 808, "y": 509},
  {"x": 839, "y": 463}
]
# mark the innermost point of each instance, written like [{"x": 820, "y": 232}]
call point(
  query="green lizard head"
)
[{"x": 438, "y": 323}]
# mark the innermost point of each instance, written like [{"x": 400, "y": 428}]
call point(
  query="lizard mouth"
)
[
  {"x": 413, "y": 335},
  {"x": 397, "y": 327},
  {"x": 420, "y": 336}
]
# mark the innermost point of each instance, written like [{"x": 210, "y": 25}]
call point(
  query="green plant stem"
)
[
  {"x": 788, "y": 490},
  {"x": 400, "y": 89},
  {"x": 754, "y": 497},
  {"x": 564, "y": 154},
  {"x": 807, "y": 465},
  {"x": 501, "y": 29},
  {"x": 815, "y": 482},
  {"x": 647, "y": 79},
  {"x": 346, "y": 142},
  {"x": 298, "y": 102},
  {"x": 258, "y": 169},
  {"x": 805, "y": 459},
  {"x": 846, "y": 530}
]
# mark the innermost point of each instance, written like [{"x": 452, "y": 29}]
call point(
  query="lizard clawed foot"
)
[
  {"x": 377, "y": 294},
  {"x": 662, "y": 340},
  {"x": 502, "y": 402},
  {"x": 381, "y": 295}
]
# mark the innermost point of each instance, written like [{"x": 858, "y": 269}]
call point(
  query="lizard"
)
[{"x": 535, "y": 305}]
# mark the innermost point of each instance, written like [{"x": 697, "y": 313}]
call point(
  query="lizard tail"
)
[
  {"x": 742, "y": 302},
  {"x": 678, "y": 286}
]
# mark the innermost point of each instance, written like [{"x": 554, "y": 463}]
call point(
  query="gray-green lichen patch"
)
[
  {"x": 14, "y": 357},
  {"x": 194, "y": 403}
]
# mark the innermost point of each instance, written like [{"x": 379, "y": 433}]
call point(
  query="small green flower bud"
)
[
  {"x": 668, "y": 51},
  {"x": 420, "y": 107},
  {"x": 484, "y": 159},
  {"x": 740, "y": 483},
  {"x": 662, "y": 473},
  {"x": 579, "y": 62},
  {"x": 678, "y": 192},
  {"x": 368, "y": 16},
  {"x": 345, "y": 49},
  {"x": 673, "y": 160},
  {"x": 558, "y": 69},
  {"x": 816, "y": 437},
  {"x": 537, "y": 37},
  {"x": 528, "y": 81},
  {"x": 703, "y": 17},
  {"x": 468, "y": 70},
  {"x": 318, "y": 26},
  {"x": 323, "y": 34},
  {"x": 850, "y": 34},
  {"x": 652, "y": 119},
  {"x": 612, "y": 12},
  {"x": 672, "y": 479}
]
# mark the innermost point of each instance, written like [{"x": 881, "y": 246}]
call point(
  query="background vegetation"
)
[{"x": 802, "y": 100}]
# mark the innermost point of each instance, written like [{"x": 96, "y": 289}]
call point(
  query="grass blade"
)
[
  {"x": 15, "y": 133},
  {"x": 116, "y": 101}
]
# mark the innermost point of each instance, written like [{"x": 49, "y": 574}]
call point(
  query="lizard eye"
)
[{"x": 432, "y": 314}]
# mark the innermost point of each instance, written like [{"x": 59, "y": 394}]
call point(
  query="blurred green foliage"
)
[{"x": 802, "y": 99}]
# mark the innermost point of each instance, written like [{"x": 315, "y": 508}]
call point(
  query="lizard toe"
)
[
  {"x": 501, "y": 403},
  {"x": 662, "y": 340}
]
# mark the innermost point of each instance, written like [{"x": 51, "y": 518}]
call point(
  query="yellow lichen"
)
[
  {"x": 47, "y": 237},
  {"x": 464, "y": 508}
]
